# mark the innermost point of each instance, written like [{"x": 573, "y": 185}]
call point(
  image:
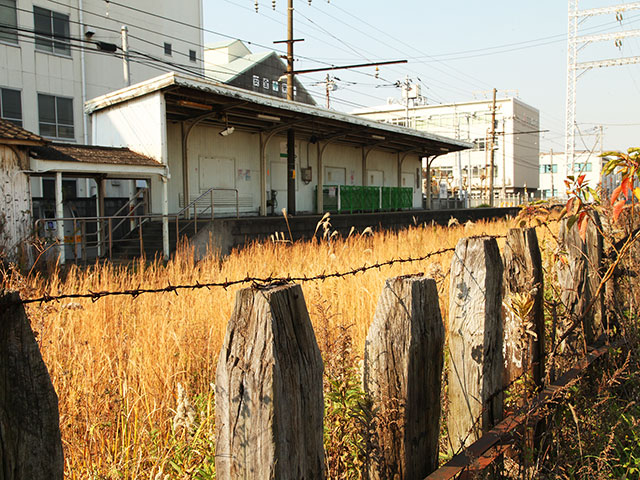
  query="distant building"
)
[
  {"x": 55, "y": 55},
  {"x": 516, "y": 148},
  {"x": 232, "y": 63},
  {"x": 554, "y": 171}
]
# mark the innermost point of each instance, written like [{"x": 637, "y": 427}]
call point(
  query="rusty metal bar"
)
[
  {"x": 110, "y": 238},
  {"x": 484, "y": 451},
  {"x": 140, "y": 237}
]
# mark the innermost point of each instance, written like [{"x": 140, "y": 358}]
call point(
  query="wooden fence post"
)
[
  {"x": 475, "y": 340},
  {"x": 403, "y": 361},
  {"x": 579, "y": 275},
  {"x": 30, "y": 442},
  {"x": 523, "y": 308},
  {"x": 269, "y": 403}
]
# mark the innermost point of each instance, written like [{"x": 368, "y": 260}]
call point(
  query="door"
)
[
  {"x": 335, "y": 176},
  {"x": 375, "y": 178}
]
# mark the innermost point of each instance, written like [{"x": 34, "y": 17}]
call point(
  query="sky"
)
[{"x": 458, "y": 50}]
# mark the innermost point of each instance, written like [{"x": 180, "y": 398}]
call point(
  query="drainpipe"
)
[
  {"x": 165, "y": 212},
  {"x": 60, "y": 214},
  {"x": 85, "y": 117}
]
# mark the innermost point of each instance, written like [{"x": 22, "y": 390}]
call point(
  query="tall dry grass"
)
[{"x": 116, "y": 363}]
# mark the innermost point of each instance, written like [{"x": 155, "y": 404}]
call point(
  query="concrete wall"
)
[
  {"x": 31, "y": 71},
  {"x": 15, "y": 204}
]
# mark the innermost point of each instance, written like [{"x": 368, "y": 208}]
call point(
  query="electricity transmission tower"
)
[{"x": 574, "y": 44}]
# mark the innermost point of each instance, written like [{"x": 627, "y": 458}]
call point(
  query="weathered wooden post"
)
[
  {"x": 403, "y": 361},
  {"x": 579, "y": 274},
  {"x": 30, "y": 442},
  {"x": 475, "y": 340},
  {"x": 523, "y": 308},
  {"x": 269, "y": 404}
]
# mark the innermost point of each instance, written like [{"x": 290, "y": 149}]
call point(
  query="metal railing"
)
[
  {"x": 185, "y": 213},
  {"x": 101, "y": 233},
  {"x": 101, "y": 237}
]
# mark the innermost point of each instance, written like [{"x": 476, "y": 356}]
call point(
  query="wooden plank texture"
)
[
  {"x": 475, "y": 340},
  {"x": 579, "y": 273},
  {"x": 30, "y": 442},
  {"x": 403, "y": 363},
  {"x": 269, "y": 403},
  {"x": 523, "y": 308}
]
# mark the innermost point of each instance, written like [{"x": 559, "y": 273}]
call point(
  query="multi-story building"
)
[
  {"x": 516, "y": 145},
  {"x": 554, "y": 170},
  {"x": 232, "y": 63},
  {"x": 56, "y": 54}
]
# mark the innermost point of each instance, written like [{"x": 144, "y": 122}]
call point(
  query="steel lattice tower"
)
[{"x": 573, "y": 66}]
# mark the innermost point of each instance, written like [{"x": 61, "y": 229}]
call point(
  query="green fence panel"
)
[
  {"x": 406, "y": 197},
  {"x": 371, "y": 199}
]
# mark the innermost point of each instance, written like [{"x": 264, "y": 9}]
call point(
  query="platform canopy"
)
[{"x": 191, "y": 98}]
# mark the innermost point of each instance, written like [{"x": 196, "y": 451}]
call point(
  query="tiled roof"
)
[
  {"x": 91, "y": 154},
  {"x": 16, "y": 135}
]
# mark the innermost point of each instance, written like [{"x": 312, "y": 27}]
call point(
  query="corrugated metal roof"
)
[
  {"x": 11, "y": 133},
  {"x": 226, "y": 72},
  {"x": 63, "y": 152},
  {"x": 405, "y": 137}
]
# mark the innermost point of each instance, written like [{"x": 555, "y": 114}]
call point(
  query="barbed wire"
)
[{"x": 255, "y": 282}]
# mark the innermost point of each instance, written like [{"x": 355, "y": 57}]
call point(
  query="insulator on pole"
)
[
  {"x": 257, "y": 6},
  {"x": 273, "y": 4}
]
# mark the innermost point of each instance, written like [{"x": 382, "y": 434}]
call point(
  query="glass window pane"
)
[
  {"x": 61, "y": 31},
  {"x": 65, "y": 111},
  {"x": 167, "y": 49},
  {"x": 65, "y": 131},
  {"x": 8, "y": 21},
  {"x": 11, "y": 106},
  {"x": 48, "y": 130},
  {"x": 46, "y": 109},
  {"x": 42, "y": 24}
]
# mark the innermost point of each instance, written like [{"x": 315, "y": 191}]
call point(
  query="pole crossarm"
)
[
  {"x": 608, "y": 36},
  {"x": 614, "y": 62},
  {"x": 611, "y": 9}
]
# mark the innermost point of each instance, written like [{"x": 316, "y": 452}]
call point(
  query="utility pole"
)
[
  {"x": 291, "y": 134},
  {"x": 493, "y": 143},
  {"x": 551, "y": 168},
  {"x": 504, "y": 160},
  {"x": 124, "y": 31}
]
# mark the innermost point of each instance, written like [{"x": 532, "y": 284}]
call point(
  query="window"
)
[
  {"x": 167, "y": 48},
  {"x": 266, "y": 83},
  {"x": 10, "y": 106},
  {"x": 192, "y": 55},
  {"x": 275, "y": 86},
  {"x": 582, "y": 167},
  {"x": 256, "y": 81},
  {"x": 52, "y": 31},
  {"x": 549, "y": 168},
  {"x": 480, "y": 144},
  {"x": 9, "y": 21},
  {"x": 55, "y": 115},
  {"x": 284, "y": 88}
]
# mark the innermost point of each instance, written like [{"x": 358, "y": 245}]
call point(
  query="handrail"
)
[
  {"x": 135, "y": 197},
  {"x": 210, "y": 207},
  {"x": 135, "y": 207}
]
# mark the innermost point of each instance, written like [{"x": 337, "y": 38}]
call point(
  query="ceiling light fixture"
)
[{"x": 272, "y": 118}]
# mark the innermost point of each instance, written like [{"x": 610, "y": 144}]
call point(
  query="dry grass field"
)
[{"x": 117, "y": 363}]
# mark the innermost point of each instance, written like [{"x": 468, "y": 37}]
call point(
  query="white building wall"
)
[
  {"x": 553, "y": 172},
  {"x": 515, "y": 156},
  {"x": 32, "y": 71}
]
